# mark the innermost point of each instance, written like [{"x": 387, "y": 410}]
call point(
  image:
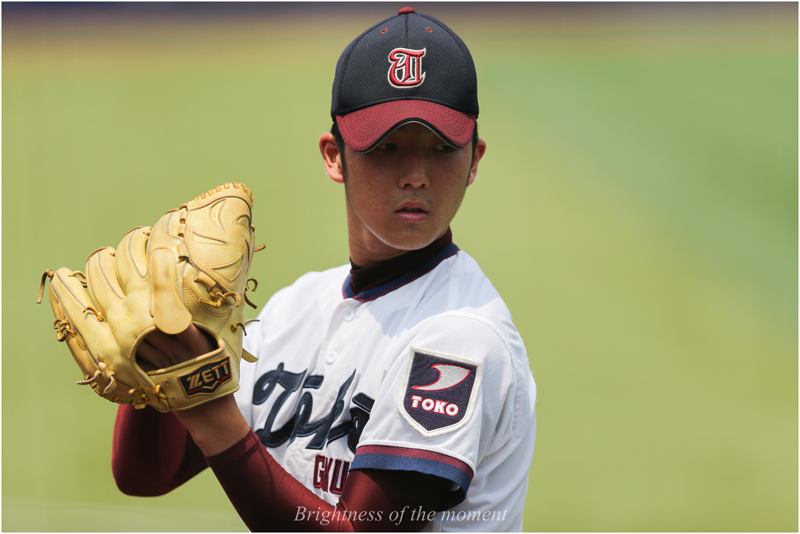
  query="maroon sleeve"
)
[
  {"x": 152, "y": 452},
  {"x": 268, "y": 498}
]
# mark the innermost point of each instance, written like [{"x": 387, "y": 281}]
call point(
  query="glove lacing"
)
[
  {"x": 237, "y": 325},
  {"x": 141, "y": 397},
  {"x": 219, "y": 298},
  {"x": 64, "y": 328},
  {"x": 103, "y": 370},
  {"x": 247, "y": 288},
  {"x": 47, "y": 274}
]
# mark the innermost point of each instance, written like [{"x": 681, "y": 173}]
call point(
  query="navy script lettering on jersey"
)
[{"x": 299, "y": 425}]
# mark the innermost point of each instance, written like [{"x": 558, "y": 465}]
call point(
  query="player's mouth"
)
[{"x": 412, "y": 211}]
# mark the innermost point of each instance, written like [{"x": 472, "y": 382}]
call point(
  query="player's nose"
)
[{"x": 414, "y": 173}]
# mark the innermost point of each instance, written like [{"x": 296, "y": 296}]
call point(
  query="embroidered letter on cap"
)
[
  {"x": 406, "y": 69},
  {"x": 439, "y": 391}
]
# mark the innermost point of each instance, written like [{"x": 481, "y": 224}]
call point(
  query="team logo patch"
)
[
  {"x": 406, "y": 68},
  {"x": 208, "y": 378},
  {"x": 439, "y": 391}
]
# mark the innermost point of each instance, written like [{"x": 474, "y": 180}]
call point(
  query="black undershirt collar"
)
[{"x": 362, "y": 281}]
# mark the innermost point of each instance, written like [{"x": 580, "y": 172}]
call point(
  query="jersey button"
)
[
  {"x": 331, "y": 356},
  {"x": 348, "y": 315}
]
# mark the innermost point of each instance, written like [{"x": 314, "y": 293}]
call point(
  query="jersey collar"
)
[{"x": 421, "y": 262}]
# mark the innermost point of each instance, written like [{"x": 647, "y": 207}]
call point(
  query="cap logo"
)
[{"x": 406, "y": 68}]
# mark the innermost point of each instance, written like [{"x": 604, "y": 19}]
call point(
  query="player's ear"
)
[
  {"x": 331, "y": 157},
  {"x": 477, "y": 154}
]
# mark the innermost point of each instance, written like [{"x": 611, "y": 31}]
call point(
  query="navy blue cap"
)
[{"x": 407, "y": 68}]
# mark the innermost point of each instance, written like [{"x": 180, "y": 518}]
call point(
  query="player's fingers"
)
[
  {"x": 131, "y": 258},
  {"x": 165, "y": 350},
  {"x": 197, "y": 341},
  {"x": 150, "y": 358},
  {"x": 160, "y": 351}
]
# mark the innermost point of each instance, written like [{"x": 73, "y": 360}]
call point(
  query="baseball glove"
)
[{"x": 189, "y": 268}]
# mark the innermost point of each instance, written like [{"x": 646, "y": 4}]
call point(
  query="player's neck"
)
[
  {"x": 368, "y": 277},
  {"x": 368, "y": 254}
]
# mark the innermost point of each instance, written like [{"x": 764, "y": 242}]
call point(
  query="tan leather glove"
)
[{"x": 189, "y": 268}]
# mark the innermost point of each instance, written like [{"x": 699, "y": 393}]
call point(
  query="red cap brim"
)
[{"x": 363, "y": 129}]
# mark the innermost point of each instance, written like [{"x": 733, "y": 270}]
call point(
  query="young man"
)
[{"x": 393, "y": 393}]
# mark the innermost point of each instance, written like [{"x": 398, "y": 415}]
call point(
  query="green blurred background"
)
[{"x": 637, "y": 208}]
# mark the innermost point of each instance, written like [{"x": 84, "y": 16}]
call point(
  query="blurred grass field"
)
[{"x": 637, "y": 208}]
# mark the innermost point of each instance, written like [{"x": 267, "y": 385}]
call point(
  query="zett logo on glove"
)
[{"x": 208, "y": 378}]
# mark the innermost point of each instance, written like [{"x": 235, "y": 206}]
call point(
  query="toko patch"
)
[{"x": 439, "y": 391}]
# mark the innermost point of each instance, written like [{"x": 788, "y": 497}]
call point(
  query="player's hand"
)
[
  {"x": 215, "y": 425},
  {"x": 160, "y": 350}
]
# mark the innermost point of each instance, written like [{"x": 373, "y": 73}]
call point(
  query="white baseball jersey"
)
[{"x": 426, "y": 373}]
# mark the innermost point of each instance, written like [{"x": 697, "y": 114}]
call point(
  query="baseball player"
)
[{"x": 392, "y": 393}]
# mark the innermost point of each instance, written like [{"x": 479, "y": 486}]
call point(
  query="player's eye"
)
[
  {"x": 386, "y": 146},
  {"x": 445, "y": 149}
]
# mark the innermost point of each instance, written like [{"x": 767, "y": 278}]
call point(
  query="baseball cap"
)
[{"x": 407, "y": 68}]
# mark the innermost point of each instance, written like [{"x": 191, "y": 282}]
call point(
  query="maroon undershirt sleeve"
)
[
  {"x": 268, "y": 498},
  {"x": 153, "y": 454}
]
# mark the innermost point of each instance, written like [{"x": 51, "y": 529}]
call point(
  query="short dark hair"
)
[{"x": 337, "y": 136}]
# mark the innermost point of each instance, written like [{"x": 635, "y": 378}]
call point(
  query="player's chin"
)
[{"x": 411, "y": 238}]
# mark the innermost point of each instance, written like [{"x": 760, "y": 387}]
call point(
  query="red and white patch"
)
[
  {"x": 406, "y": 68},
  {"x": 439, "y": 392}
]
